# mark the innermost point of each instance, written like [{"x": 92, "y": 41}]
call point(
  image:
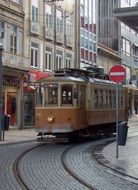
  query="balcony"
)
[
  {"x": 15, "y": 61},
  {"x": 49, "y": 33},
  {"x": 35, "y": 28},
  {"x": 68, "y": 40},
  {"x": 59, "y": 38}
]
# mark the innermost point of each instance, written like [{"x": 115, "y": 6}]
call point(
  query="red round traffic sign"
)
[{"x": 117, "y": 73}]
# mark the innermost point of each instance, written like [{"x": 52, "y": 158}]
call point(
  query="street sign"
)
[{"x": 117, "y": 73}]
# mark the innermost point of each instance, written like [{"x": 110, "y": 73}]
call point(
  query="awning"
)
[
  {"x": 34, "y": 75},
  {"x": 37, "y": 75},
  {"x": 28, "y": 88}
]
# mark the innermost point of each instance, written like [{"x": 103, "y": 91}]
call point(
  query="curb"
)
[{"x": 114, "y": 168}]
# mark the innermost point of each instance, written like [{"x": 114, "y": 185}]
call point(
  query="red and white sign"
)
[{"x": 117, "y": 73}]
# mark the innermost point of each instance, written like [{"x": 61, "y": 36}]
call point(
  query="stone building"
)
[
  {"x": 108, "y": 32},
  {"x": 38, "y": 38},
  {"x": 15, "y": 64}
]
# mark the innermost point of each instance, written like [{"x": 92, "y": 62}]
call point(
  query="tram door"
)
[{"x": 82, "y": 105}]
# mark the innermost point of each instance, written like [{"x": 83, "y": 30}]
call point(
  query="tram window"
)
[
  {"x": 120, "y": 99},
  {"x": 114, "y": 99},
  {"x": 95, "y": 98},
  {"x": 39, "y": 96},
  {"x": 66, "y": 94},
  {"x": 104, "y": 98},
  {"x": 100, "y": 98},
  {"x": 52, "y": 95},
  {"x": 110, "y": 99},
  {"x": 75, "y": 93},
  {"x": 82, "y": 96}
]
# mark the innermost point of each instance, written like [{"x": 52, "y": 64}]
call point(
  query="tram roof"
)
[
  {"x": 92, "y": 71},
  {"x": 78, "y": 75},
  {"x": 76, "y": 79},
  {"x": 61, "y": 78}
]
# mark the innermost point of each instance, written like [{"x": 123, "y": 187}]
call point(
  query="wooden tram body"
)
[{"x": 74, "y": 102}]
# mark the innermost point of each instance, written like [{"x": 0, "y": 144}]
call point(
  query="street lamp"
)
[{"x": 1, "y": 81}]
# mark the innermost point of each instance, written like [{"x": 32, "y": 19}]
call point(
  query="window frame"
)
[
  {"x": 66, "y": 102},
  {"x": 34, "y": 56},
  {"x": 48, "y": 60},
  {"x": 13, "y": 43}
]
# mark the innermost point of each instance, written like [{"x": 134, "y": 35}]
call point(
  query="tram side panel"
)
[{"x": 101, "y": 107}]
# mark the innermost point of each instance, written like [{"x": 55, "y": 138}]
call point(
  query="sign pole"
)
[
  {"x": 117, "y": 74},
  {"x": 117, "y": 116}
]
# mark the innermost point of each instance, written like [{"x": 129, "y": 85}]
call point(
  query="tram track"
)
[
  {"x": 16, "y": 170},
  {"x": 67, "y": 168},
  {"x": 61, "y": 166},
  {"x": 72, "y": 173}
]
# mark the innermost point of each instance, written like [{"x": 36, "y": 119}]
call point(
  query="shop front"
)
[{"x": 10, "y": 98}]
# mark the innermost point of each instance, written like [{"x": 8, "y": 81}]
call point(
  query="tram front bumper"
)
[{"x": 55, "y": 128}]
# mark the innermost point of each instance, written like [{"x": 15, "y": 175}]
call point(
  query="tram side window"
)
[
  {"x": 120, "y": 99},
  {"x": 66, "y": 94},
  {"x": 114, "y": 99},
  {"x": 95, "y": 98},
  {"x": 39, "y": 96},
  {"x": 104, "y": 98},
  {"x": 110, "y": 99},
  {"x": 100, "y": 98},
  {"x": 52, "y": 95}
]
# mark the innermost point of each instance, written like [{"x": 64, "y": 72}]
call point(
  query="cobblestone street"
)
[{"x": 53, "y": 166}]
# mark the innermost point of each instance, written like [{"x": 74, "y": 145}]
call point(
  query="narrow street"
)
[{"x": 69, "y": 167}]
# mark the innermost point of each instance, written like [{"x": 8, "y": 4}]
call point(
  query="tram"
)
[{"x": 76, "y": 102}]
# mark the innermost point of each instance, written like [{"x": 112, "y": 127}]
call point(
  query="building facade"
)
[
  {"x": 129, "y": 48},
  {"x": 42, "y": 36},
  {"x": 108, "y": 32},
  {"x": 87, "y": 33},
  {"x": 15, "y": 64},
  {"x": 49, "y": 44},
  {"x": 38, "y": 38}
]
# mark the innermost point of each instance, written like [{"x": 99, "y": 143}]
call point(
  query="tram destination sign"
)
[{"x": 117, "y": 73}]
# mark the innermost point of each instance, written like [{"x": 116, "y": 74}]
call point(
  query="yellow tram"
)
[{"x": 78, "y": 102}]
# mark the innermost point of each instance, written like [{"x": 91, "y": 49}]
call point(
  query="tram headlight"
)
[{"x": 50, "y": 118}]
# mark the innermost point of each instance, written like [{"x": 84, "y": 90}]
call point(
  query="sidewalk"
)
[
  {"x": 127, "y": 162},
  {"x": 16, "y": 135}
]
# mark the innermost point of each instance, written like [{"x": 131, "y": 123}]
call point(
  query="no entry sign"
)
[{"x": 117, "y": 73}]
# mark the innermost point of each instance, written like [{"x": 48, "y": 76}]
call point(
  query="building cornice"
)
[{"x": 14, "y": 12}]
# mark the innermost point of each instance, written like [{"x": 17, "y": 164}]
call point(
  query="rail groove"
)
[
  {"x": 72, "y": 173},
  {"x": 16, "y": 171}
]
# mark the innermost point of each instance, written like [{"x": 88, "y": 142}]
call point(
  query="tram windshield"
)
[
  {"x": 66, "y": 94},
  {"x": 53, "y": 94}
]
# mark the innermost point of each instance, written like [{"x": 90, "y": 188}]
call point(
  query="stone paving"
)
[
  {"x": 8, "y": 154},
  {"x": 14, "y": 136},
  {"x": 83, "y": 163},
  {"x": 42, "y": 169},
  {"x": 127, "y": 161},
  {"x": 45, "y": 170}
]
